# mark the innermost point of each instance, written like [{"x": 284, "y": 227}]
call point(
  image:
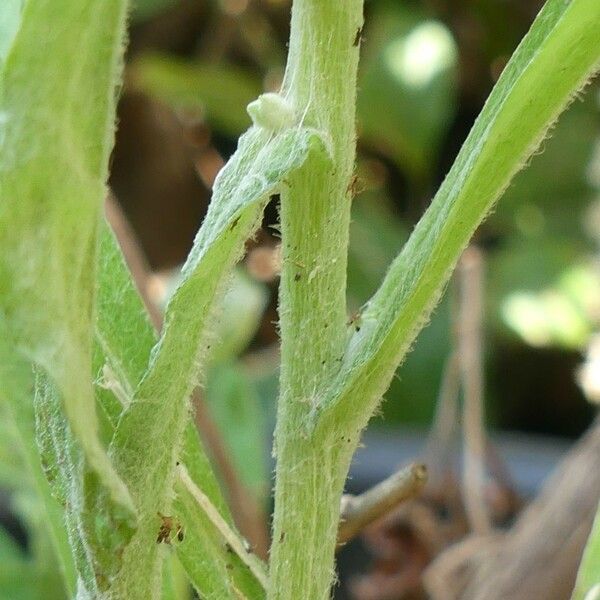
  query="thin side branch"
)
[{"x": 359, "y": 511}]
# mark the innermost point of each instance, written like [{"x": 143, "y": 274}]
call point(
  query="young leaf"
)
[
  {"x": 57, "y": 103},
  {"x": 212, "y": 563},
  {"x": 149, "y": 435},
  {"x": 212, "y": 552},
  {"x": 98, "y": 529},
  {"x": 556, "y": 58},
  {"x": 123, "y": 335}
]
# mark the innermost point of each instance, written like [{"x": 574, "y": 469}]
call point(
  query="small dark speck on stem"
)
[{"x": 357, "y": 37}]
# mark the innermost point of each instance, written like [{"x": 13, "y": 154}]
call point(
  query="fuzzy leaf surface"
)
[
  {"x": 213, "y": 564},
  {"x": 123, "y": 334},
  {"x": 556, "y": 58},
  {"x": 57, "y": 104},
  {"x": 121, "y": 319},
  {"x": 98, "y": 530},
  {"x": 16, "y": 395}
]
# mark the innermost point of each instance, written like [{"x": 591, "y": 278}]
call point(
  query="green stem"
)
[
  {"x": 320, "y": 84},
  {"x": 310, "y": 481}
]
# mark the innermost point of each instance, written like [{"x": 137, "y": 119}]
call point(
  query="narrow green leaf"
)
[
  {"x": 212, "y": 552},
  {"x": 214, "y": 567},
  {"x": 123, "y": 335},
  {"x": 588, "y": 579},
  {"x": 98, "y": 529},
  {"x": 120, "y": 319},
  {"x": 16, "y": 399},
  {"x": 200, "y": 470},
  {"x": 148, "y": 439},
  {"x": 57, "y": 109},
  {"x": 57, "y": 104},
  {"x": 555, "y": 59},
  {"x": 122, "y": 327}
]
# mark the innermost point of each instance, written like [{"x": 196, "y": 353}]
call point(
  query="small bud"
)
[{"x": 271, "y": 111}]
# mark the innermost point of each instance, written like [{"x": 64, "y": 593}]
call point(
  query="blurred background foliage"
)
[{"x": 192, "y": 66}]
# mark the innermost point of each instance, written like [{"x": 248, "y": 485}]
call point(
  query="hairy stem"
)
[{"x": 320, "y": 84}]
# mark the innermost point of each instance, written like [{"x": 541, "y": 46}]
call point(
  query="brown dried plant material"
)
[
  {"x": 426, "y": 549},
  {"x": 538, "y": 556},
  {"x": 264, "y": 263}
]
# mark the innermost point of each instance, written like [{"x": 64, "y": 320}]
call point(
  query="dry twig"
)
[
  {"x": 469, "y": 340},
  {"x": 360, "y": 511}
]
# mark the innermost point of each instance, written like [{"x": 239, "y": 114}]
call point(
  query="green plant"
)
[{"x": 110, "y": 409}]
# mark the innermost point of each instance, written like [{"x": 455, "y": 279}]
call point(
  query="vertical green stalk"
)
[{"x": 320, "y": 84}]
